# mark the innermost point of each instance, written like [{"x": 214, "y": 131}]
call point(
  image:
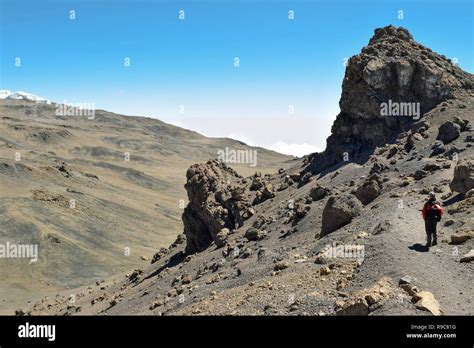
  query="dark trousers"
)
[{"x": 430, "y": 228}]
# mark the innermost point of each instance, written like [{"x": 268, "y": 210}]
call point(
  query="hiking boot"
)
[{"x": 435, "y": 242}]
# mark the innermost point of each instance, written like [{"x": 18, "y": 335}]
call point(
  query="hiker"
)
[{"x": 432, "y": 212}]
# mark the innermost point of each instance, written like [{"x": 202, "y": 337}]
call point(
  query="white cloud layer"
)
[
  {"x": 292, "y": 149},
  {"x": 298, "y": 150},
  {"x": 295, "y": 136}
]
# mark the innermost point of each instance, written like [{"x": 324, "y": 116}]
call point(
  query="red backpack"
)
[{"x": 436, "y": 206}]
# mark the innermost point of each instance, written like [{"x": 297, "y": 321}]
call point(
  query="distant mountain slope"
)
[
  {"x": 6, "y": 94},
  {"x": 73, "y": 192}
]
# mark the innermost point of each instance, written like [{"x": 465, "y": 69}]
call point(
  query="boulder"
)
[
  {"x": 461, "y": 237},
  {"x": 448, "y": 131},
  {"x": 463, "y": 179},
  {"x": 468, "y": 257},
  {"x": 324, "y": 271},
  {"x": 257, "y": 183},
  {"x": 449, "y": 222},
  {"x": 358, "y": 307},
  {"x": 339, "y": 211},
  {"x": 368, "y": 191},
  {"x": 426, "y": 301},
  {"x": 267, "y": 191},
  {"x": 392, "y": 151},
  {"x": 431, "y": 167},
  {"x": 420, "y": 174},
  {"x": 323, "y": 257},
  {"x": 318, "y": 192},
  {"x": 438, "y": 148},
  {"x": 255, "y": 234},
  {"x": 406, "y": 280},
  {"x": 407, "y": 284},
  {"x": 221, "y": 237},
  {"x": 463, "y": 123},
  {"x": 186, "y": 279}
]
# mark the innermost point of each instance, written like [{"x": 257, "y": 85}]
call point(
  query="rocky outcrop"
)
[
  {"x": 215, "y": 202},
  {"x": 391, "y": 83},
  {"x": 463, "y": 179},
  {"x": 338, "y": 212},
  {"x": 364, "y": 301}
]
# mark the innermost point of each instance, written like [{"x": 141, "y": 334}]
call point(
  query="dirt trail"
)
[
  {"x": 402, "y": 252},
  {"x": 437, "y": 268}
]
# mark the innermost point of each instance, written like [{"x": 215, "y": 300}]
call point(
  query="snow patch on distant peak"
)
[{"x": 6, "y": 94}]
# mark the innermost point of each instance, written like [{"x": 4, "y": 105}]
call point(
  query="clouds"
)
[
  {"x": 296, "y": 136},
  {"x": 293, "y": 149}
]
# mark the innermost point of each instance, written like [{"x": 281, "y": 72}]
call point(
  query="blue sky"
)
[{"x": 189, "y": 62}]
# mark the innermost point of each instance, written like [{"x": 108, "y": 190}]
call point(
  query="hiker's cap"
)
[{"x": 431, "y": 194}]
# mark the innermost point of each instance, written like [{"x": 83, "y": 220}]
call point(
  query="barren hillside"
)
[{"x": 97, "y": 196}]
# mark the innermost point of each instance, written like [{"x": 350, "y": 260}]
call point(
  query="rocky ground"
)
[
  {"x": 124, "y": 208},
  {"x": 337, "y": 233}
]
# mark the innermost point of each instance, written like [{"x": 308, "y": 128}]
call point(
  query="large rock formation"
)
[
  {"x": 392, "y": 69},
  {"x": 463, "y": 179},
  {"x": 215, "y": 202}
]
